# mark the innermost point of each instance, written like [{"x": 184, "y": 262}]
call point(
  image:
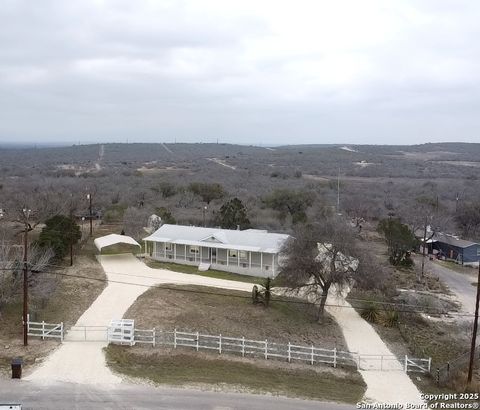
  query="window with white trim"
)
[
  {"x": 168, "y": 246},
  {"x": 194, "y": 249},
  {"x": 232, "y": 253},
  {"x": 243, "y": 254}
]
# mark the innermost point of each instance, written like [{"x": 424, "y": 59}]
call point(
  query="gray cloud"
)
[{"x": 250, "y": 71}]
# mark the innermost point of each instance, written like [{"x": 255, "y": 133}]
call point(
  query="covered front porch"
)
[{"x": 242, "y": 261}]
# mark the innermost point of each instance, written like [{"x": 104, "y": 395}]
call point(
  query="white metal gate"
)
[
  {"x": 122, "y": 331},
  {"x": 87, "y": 334},
  {"x": 392, "y": 363}
]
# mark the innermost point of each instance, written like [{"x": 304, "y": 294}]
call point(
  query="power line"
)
[
  {"x": 293, "y": 301},
  {"x": 391, "y": 304}
]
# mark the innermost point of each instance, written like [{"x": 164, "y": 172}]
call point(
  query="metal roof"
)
[
  {"x": 113, "y": 239},
  {"x": 452, "y": 240},
  {"x": 248, "y": 240}
]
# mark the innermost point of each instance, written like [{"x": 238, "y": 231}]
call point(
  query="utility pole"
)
[
  {"x": 204, "y": 209},
  {"x": 71, "y": 238},
  {"x": 26, "y": 215},
  {"x": 474, "y": 334},
  {"x": 338, "y": 191},
  {"x": 89, "y": 197},
  {"x": 424, "y": 244}
]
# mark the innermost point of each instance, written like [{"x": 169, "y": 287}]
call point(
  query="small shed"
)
[{"x": 114, "y": 239}]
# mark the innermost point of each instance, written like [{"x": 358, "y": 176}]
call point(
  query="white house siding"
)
[{"x": 259, "y": 264}]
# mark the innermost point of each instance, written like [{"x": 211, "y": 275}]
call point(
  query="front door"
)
[{"x": 212, "y": 255}]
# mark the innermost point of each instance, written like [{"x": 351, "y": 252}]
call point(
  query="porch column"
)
[
  {"x": 216, "y": 256},
  {"x": 238, "y": 257},
  {"x": 174, "y": 251},
  {"x": 250, "y": 259},
  {"x": 196, "y": 254},
  {"x": 185, "y": 252},
  {"x": 211, "y": 255},
  {"x": 165, "y": 250},
  {"x": 227, "y": 257},
  {"x": 261, "y": 261},
  {"x": 273, "y": 264}
]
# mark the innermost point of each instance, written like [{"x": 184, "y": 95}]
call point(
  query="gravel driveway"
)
[{"x": 84, "y": 362}]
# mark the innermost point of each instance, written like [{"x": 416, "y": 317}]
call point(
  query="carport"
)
[{"x": 114, "y": 239}]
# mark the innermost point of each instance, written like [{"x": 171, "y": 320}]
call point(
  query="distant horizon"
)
[{"x": 10, "y": 145}]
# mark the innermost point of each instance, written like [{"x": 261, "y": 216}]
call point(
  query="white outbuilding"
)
[{"x": 114, "y": 239}]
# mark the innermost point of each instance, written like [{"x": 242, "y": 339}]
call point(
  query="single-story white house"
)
[{"x": 249, "y": 252}]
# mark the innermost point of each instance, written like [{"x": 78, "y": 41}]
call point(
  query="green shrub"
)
[
  {"x": 370, "y": 312},
  {"x": 389, "y": 318}
]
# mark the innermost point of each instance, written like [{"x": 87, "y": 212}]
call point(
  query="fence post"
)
[
  {"x": 43, "y": 329},
  {"x": 335, "y": 357},
  {"x": 406, "y": 363},
  {"x": 429, "y": 364},
  {"x": 311, "y": 360},
  {"x": 266, "y": 349},
  {"x": 220, "y": 344},
  {"x": 174, "y": 338},
  {"x": 28, "y": 323},
  {"x": 154, "y": 337},
  {"x": 243, "y": 346},
  {"x": 61, "y": 331},
  {"x": 198, "y": 337},
  {"x": 289, "y": 352}
]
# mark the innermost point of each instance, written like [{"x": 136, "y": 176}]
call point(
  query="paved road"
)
[
  {"x": 460, "y": 284},
  {"x": 121, "y": 397}
]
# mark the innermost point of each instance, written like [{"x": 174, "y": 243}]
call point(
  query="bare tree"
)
[
  {"x": 426, "y": 216},
  {"x": 135, "y": 220},
  {"x": 319, "y": 256},
  {"x": 11, "y": 264}
]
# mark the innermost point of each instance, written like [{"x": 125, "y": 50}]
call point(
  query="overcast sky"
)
[{"x": 244, "y": 71}]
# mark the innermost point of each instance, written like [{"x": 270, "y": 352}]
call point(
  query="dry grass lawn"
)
[
  {"x": 211, "y": 273},
  {"x": 217, "y": 372},
  {"x": 232, "y": 314}
]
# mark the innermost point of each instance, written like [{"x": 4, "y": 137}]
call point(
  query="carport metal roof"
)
[{"x": 113, "y": 239}]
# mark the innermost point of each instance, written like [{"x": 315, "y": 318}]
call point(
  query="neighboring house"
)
[
  {"x": 249, "y": 252},
  {"x": 453, "y": 248}
]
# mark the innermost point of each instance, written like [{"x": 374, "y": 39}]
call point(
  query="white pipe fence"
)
[
  {"x": 245, "y": 347},
  {"x": 233, "y": 345},
  {"x": 271, "y": 350}
]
